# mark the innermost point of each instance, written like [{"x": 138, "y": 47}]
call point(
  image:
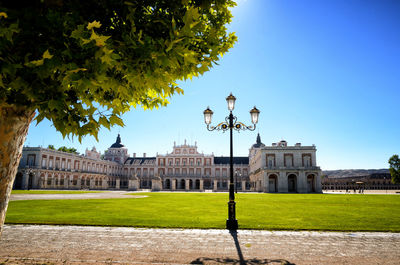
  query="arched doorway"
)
[
  {"x": 207, "y": 184},
  {"x": 167, "y": 184},
  {"x": 18, "y": 181},
  {"x": 191, "y": 184},
  {"x": 272, "y": 183},
  {"x": 311, "y": 183},
  {"x": 182, "y": 184},
  {"x": 292, "y": 183},
  {"x": 197, "y": 184},
  {"x": 30, "y": 181}
]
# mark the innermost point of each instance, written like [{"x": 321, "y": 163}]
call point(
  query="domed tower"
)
[
  {"x": 256, "y": 146},
  {"x": 117, "y": 152}
]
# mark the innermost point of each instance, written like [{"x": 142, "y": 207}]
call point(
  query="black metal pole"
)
[
  {"x": 236, "y": 175},
  {"x": 231, "y": 223}
]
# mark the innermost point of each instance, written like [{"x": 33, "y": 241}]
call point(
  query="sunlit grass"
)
[{"x": 209, "y": 210}]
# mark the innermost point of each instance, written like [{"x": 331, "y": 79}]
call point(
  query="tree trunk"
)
[{"x": 14, "y": 124}]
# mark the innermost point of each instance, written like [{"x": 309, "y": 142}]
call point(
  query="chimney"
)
[
  {"x": 134, "y": 154},
  {"x": 144, "y": 154}
]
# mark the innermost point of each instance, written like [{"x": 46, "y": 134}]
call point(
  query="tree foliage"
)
[
  {"x": 50, "y": 146},
  {"x": 68, "y": 150},
  {"x": 394, "y": 169},
  {"x": 82, "y": 64}
]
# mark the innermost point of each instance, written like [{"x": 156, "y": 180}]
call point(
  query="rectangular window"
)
[
  {"x": 271, "y": 160},
  {"x": 31, "y": 160},
  {"x": 288, "y": 160}
]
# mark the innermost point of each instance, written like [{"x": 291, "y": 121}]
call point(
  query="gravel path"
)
[
  {"x": 78, "y": 196},
  {"x": 31, "y": 244}
]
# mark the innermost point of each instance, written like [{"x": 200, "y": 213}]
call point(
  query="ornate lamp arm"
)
[
  {"x": 238, "y": 126},
  {"x": 220, "y": 126},
  {"x": 224, "y": 126}
]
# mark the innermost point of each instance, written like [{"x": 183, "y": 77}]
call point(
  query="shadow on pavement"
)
[
  {"x": 236, "y": 261},
  {"x": 241, "y": 260}
]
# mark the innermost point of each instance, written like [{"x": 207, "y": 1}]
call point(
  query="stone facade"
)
[
  {"x": 375, "y": 181},
  {"x": 184, "y": 169},
  {"x": 283, "y": 168}
]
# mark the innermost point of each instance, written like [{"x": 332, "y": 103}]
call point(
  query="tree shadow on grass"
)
[{"x": 241, "y": 260}]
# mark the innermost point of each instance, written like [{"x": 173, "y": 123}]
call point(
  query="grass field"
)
[
  {"x": 52, "y": 192},
  {"x": 209, "y": 210}
]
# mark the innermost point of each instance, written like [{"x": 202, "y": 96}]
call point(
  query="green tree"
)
[
  {"x": 50, "y": 146},
  {"x": 82, "y": 64},
  {"x": 394, "y": 168},
  {"x": 68, "y": 150}
]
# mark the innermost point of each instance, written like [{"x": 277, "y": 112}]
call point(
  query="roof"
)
[
  {"x": 141, "y": 160},
  {"x": 117, "y": 143},
  {"x": 236, "y": 160},
  {"x": 258, "y": 143}
]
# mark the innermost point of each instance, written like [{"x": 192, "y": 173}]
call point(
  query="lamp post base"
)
[{"x": 232, "y": 224}]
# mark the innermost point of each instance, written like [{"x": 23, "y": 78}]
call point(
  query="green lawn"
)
[
  {"x": 209, "y": 210},
  {"x": 51, "y": 192}
]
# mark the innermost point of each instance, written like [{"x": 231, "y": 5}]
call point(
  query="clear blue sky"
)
[{"x": 321, "y": 72}]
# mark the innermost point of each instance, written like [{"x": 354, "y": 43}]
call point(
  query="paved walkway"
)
[{"x": 31, "y": 244}]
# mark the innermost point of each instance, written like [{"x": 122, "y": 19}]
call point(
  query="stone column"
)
[
  {"x": 302, "y": 182},
  {"x": 187, "y": 182},
  {"x": 173, "y": 184},
  {"x": 104, "y": 183},
  {"x": 78, "y": 182},
  {"x": 258, "y": 185},
  {"x": 66, "y": 182},
  {"x": 91, "y": 183},
  {"x": 25, "y": 179},
  {"x": 133, "y": 183},
  {"x": 117, "y": 184},
  {"x": 215, "y": 186},
  {"x": 156, "y": 184},
  {"x": 282, "y": 182},
  {"x": 201, "y": 184},
  {"x": 243, "y": 185},
  {"x": 265, "y": 177},
  {"x": 53, "y": 181},
  {"x": 40, "y": 183},
  {"x": 45, "y": 181},
  {"x": 318, "y": 186}
]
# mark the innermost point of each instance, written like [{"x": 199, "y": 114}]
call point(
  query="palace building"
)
[
  {"x": 184, "y": 169},
  {"x": 283, "y": 168}
]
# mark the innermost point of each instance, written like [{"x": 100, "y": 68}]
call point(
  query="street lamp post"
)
[
  {"x": 230, "y": 124},
  {"x": 237, "y": 174}
]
